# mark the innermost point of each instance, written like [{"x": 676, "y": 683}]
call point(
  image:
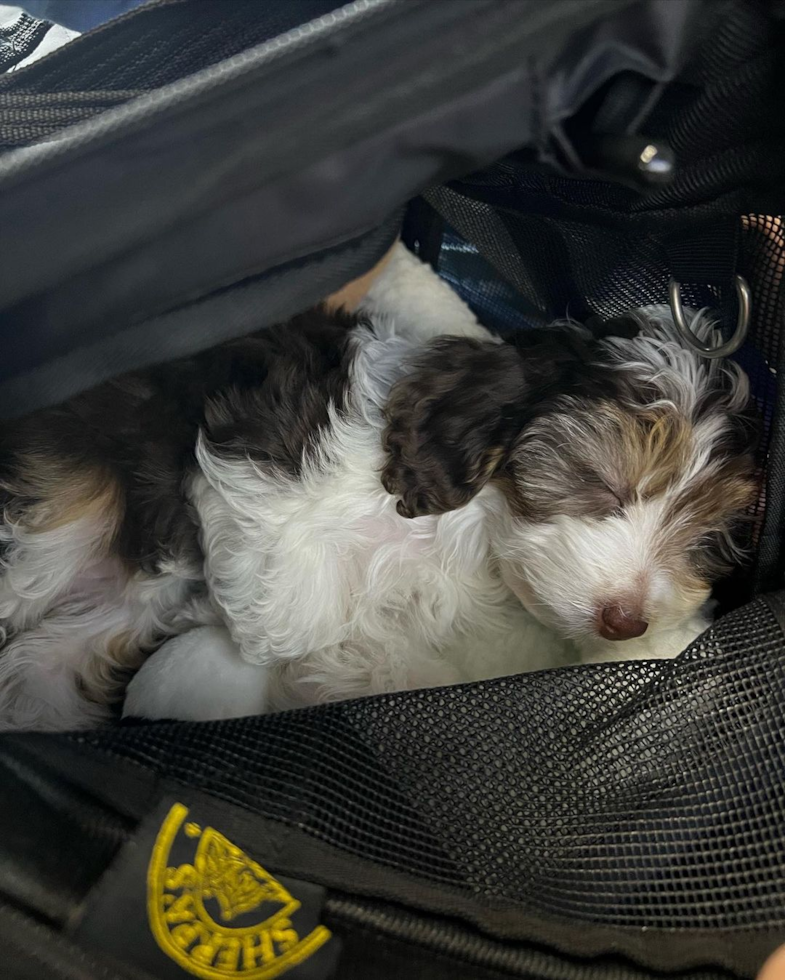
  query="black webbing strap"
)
[{"x": 707, "y": 255}]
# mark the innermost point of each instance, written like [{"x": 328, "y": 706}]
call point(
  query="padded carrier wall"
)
[{"x": 199, "y": 169}]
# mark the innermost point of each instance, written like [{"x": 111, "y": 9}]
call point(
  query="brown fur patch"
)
[
  {"x": 106, "y": 675},
  {"x": 708, "y": 513},
  {"x": 719, "y": 494},
  {"x": 591, "y": 458},
  {"x": 59, "y": 493},
  {"x": 654, "y": 448},
  {"x": 353, "y": 293},
  {"x": 453, "y": 419}
]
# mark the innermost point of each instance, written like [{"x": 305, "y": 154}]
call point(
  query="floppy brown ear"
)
[{"x": 452, "y": 420}]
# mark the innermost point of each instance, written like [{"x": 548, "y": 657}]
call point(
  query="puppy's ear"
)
[
  {"x": 452, "y": 421},
  {"x": 450, "y": 424}
]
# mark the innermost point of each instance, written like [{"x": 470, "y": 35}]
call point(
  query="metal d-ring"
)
[{"x": 742, "y": 321}]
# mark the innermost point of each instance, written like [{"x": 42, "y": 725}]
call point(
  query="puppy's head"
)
[{"x": 621, "y": 468}]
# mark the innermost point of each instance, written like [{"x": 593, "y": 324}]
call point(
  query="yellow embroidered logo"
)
[{"x": 221, "y": 915}]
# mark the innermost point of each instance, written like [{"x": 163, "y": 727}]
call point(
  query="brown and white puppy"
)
[{"x": 595, "y": 483}]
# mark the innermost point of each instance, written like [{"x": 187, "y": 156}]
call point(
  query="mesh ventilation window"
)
[{"x": 635, "y": 794}]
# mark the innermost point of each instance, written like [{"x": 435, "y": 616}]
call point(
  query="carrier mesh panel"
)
[{"x": 630, "y": 794}]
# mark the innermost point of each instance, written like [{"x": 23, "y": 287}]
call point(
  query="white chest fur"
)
[{"x": 322, "y": 573}]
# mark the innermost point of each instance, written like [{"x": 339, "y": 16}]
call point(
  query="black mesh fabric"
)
[
  {"x": 19, "y": 39},
  {"x": 639, "y": 794}
]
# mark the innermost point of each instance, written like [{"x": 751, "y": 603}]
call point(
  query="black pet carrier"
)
[{"x": 198, "y": 169}]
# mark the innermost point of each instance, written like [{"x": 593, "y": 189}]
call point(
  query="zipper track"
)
[{"x": 457, "y": 941}]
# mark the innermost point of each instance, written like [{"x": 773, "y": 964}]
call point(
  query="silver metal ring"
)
[{"x": 742, "y": 321}]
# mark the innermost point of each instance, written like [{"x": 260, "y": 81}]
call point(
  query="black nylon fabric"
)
[
  {"x": 596, "y": 809},
  {"x": 224, "y": 314},
  {"x": 209, "y": 182}
]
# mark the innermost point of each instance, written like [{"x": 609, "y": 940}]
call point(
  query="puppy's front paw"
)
[
  {"x": 394, "y": 476},
  {"x": 422, "y": 477},
  {"x": 414, "y": 500}
]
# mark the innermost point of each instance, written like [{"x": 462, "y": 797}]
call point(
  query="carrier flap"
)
[{"x": 301, "y": 145}]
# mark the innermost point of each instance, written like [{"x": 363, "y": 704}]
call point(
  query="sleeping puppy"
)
[{"x": 367, "y": 506}]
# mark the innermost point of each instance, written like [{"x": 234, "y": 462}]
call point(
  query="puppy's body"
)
[
  {"x": 243, "y": 487},
  {"x": 319, "y": 573},
  {"x": 305, "y": 552}
]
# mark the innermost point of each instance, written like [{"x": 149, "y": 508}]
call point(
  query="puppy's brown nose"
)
[{"x": 618, "y": 623}]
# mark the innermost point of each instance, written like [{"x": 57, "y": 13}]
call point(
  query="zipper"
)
[
  {"x": 453, "y": 939},
  {"x": 323, "y": 26}
]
